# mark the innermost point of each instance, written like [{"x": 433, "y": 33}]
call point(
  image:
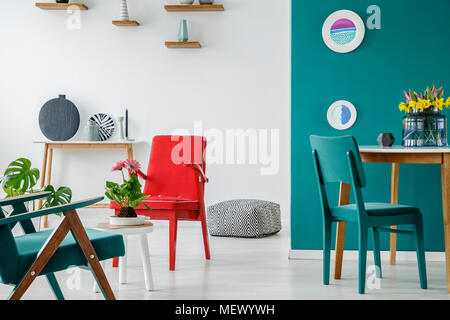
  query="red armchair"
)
[{"x": 175, "y": 182}]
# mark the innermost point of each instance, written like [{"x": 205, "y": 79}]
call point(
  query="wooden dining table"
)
[{"x": 397, "y": 155}]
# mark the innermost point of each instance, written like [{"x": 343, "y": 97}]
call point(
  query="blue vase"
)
[{"x": 183, "y": 32}]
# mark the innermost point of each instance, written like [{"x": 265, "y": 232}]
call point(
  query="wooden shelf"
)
[
  {"x": 194, "y": 7},
  {"x": 59, "y": 6},
  {"x": 179, "y": 44},
  {"x": 128, "y": 23}
]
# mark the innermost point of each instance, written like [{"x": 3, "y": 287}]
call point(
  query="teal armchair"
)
[
  {"x": 23, "y": 258},
  {"x": 337, "y": 159}
]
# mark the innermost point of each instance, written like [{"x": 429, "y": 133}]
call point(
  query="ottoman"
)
[{"x": 244, "y": 218}]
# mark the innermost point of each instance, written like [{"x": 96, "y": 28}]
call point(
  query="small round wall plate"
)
[
  {"x": 341, "y": 115},
  {"x": 106, "y": 125},
  {"x": 343, "y": 31}
]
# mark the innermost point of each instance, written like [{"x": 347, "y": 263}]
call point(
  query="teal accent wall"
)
[{"x": 411, "y": 50}]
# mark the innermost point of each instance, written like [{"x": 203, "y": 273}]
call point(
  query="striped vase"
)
[{"x": 124, "y": 11}]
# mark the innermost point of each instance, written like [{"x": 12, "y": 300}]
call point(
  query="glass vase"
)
[{"x": 425, "y": 129}]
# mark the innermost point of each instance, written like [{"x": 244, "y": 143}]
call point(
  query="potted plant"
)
[
  {"x": 127, "y": 195},
  {"x": 20, "y": 178},
  {"x": 424, "y": 125}
]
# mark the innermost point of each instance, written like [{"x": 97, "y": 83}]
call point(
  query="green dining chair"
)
[
  {"x": 23, "y": 258},
  {"x": 337, "y": 159}
]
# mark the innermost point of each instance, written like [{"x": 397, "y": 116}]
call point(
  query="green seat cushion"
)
[
  {"x": 107, "y": 245},
  {"x": 373, "y": 209}
]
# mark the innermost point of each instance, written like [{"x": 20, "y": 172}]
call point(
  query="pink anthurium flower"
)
[{"x": 118, "y": 166}]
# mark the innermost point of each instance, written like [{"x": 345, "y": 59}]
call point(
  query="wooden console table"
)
[
  {"x": 49, "y": 146},
  {"x": 397, "y": 155}
]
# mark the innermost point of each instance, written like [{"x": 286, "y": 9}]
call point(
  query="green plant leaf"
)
[
  {"x": 19, "y": 176},
  {"x": 59, "y": 197}
]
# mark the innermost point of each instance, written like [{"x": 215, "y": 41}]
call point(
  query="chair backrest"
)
[
  {"x": 333, "y": 159},
  {"x": 9, "y": 254},
  {"x": 168, "y": 174},
  {"x": 337, "y": 159}
]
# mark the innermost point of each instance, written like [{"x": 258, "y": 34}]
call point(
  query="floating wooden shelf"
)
[
  {"x": 129, "y": 23},
  {"x": 59, "y": 6},
  {"x": 194, "y": 7},
  {"x": 179, "y": 44}
]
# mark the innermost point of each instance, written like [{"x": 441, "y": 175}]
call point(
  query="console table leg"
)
[
  {"x": 49, "y": 175},
  {"x": 129, "y": 149},
  {"x": 44, "y": 172}
]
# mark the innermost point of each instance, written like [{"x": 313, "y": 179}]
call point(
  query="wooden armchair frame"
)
[{"x": 70, "y": 222}]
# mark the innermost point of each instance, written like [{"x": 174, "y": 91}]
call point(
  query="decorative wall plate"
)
[
  {"x": 343, "y": 31},
  {"x": 106, "y": 125},
  {"x": 341, "y": 115},
  {"x": 59, "y": 119}
]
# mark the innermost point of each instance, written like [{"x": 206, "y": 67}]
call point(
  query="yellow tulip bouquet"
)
[
  {"x": 432, "y": 100},
  {"x": 423, "y": 125}
]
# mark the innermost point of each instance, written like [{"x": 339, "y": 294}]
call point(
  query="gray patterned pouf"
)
[{"x": 244, "y": 218}]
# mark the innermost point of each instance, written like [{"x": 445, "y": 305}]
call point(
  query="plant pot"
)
[
  {"x": 62, "y": 1},
  {"x": 126, "y": 221}
]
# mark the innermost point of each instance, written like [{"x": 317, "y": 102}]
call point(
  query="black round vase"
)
[
  {"x": 62, "y": 1},
  {"x": 59, "y": 119}
]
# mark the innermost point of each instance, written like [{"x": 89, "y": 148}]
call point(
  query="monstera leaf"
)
[
  {"x": 61, "y": 196},
  {"x": 19, "y": 177}
]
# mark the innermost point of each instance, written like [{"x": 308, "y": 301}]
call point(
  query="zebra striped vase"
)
[{"x": 124, "y": 11}]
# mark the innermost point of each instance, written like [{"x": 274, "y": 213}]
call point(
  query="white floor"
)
[{"x": 239, "y": 269}]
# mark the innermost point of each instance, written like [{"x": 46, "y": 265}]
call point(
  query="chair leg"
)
[
  {"x": 95, "y": 287},
  {"x": 51, "y": 279},
  {"x": 79, "y": 233},
  {"x": 326, "y": 251},
  {"x": 43, "y": 257},
  {"x": 376, "y": 252},
  {"x": 173, "y": 228},
  {"x": 205, "y": 236},
  {"x": 362, "y": 259},
  {"x": 420, "y": 249}
]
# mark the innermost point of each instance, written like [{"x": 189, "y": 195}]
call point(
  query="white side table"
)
[{"x": 126, "y": 231}]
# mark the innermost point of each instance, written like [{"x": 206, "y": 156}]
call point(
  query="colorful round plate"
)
[
  {"x": 343, "y": 31},
  {"x": 341, "y": 115}
]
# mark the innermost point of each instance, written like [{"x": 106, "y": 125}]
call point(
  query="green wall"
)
[{"x": 411, "y": 50}]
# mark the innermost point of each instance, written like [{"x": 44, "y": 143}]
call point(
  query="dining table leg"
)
[
  {"x": 344, "y": 198},
  {"x": 394, "y": 200},
  {"x": 445, "y": 176}
]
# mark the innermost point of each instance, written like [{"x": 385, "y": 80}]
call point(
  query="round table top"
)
[{"x": 147, "y": 227}]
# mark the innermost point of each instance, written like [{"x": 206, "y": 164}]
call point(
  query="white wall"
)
[{"x": 239, "y": 79}]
